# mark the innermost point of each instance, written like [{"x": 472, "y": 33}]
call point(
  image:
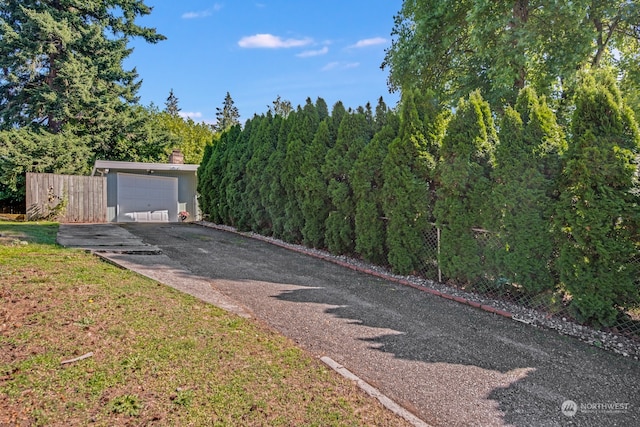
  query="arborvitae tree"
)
[
  {"x": 381, "y": 115},
  {"x": 263, "y": 143},
  {"x": 204, "y": 179},
  {"x": 240, "y": 152},
  {"x": 337, "y": 114},
  {"x": 315, "y": 204},
  {"x": 216, "y": 170},
  {"x": 408, "y": 173},
  {"x": 599, "y": 208},
  {"x": 322, "y": 109},
  {"x": 171, "y": 104},
  {"x": 300, "y": 137},
  {"x": 353, "y": 136},
  {"x": 368, "y": 115},
  {"x": 464, "y": 187},
  {"x": 368, "y": 181},
  {"x": 269, "y": 173},
  {"x": 527, "y": 161},
  {"x": 228, "y": 115},
  {"x": 277, "y": 193}
]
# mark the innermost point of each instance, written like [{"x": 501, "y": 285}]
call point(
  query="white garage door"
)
[{"x": 147, "y": 198}]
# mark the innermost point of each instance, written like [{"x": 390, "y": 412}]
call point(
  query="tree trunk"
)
[
  {"x": 53, "y": 124},
  {"x": 604, "y": 34},
  {"x": 520, "y": 17}
]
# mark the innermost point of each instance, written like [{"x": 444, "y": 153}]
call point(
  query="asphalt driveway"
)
[{"x": 448, "y": 363}]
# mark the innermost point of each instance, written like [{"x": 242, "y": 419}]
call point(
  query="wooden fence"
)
[{"x": 66, "y": 198}]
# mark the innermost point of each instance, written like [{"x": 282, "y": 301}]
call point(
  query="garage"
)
[
  {"x": 150, "y": 192},
  {"x": 147, "y": 198}
]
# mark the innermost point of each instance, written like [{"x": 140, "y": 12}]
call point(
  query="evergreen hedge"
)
[{"x": 523, "y": 208}]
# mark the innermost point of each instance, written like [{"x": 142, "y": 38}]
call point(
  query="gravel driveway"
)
[{"x": 448, "y": 363}]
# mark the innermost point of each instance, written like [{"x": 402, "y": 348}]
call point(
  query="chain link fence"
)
[
  {"x": 494, "y": 286},
  {"x": 548, "y": 308}
]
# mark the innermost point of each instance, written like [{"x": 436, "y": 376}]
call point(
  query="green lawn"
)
[{"x": 159, "y": 357}]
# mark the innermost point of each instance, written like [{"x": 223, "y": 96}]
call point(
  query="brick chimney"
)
[{"x": 176, "y": 157}]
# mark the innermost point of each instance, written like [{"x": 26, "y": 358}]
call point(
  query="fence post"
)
[{"x": 439, "y": 271}]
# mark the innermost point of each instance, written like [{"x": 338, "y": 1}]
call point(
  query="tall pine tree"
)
[
  {"x": 61, "y": 68},
  {"x": 228, "y": 115},
  {"x": 171, "y": 104}
]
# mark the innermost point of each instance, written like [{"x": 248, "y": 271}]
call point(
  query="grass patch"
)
[
  {"x": 28, "y": 232},
  {"x": 159, "y": 356}
]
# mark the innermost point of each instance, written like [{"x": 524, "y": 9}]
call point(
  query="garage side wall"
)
[{"x": 187, "y": 190}]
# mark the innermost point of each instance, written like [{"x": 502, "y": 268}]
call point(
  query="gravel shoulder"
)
[{"x": 450, "y": 364}]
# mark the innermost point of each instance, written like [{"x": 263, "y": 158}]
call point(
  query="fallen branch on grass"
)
[{"x": 84, "y": 356}]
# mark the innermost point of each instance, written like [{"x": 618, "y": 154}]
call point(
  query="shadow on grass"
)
[{"x": 33, "y": 232}]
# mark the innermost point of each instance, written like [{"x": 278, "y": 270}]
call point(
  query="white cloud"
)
[
  {"x": 203, "y": 13},
  {"x": 310, "y": 53},
  {"x": 190, "y": 114},
  {"x": 196, "y": 15},
  {"x": 269, "y": 41},
  {"x": 330, "y": 66},
  {"x": 340, "y": 65},
  {"x": 368, "y": 42}
]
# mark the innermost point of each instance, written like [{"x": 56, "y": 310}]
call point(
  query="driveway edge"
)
[{"x": 374, "y": 392}]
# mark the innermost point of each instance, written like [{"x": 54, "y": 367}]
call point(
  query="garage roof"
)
[{"x": 101, "y": 166}]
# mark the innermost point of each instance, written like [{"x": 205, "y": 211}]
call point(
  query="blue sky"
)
[{"x": 259, "y": 49}]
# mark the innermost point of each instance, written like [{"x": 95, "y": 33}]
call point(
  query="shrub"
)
[
  {"x": 368, "y": 182},
  {"x": 353, "y": 136},
  {"x": 408, "y": 172},
  {"x": 527, "y": 165},
  {"x": 598, "y": 214},
  {"x": 464, "y": 188}
]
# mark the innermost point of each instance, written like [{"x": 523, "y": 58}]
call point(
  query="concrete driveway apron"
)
[{"x": 448, "y": 363}]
